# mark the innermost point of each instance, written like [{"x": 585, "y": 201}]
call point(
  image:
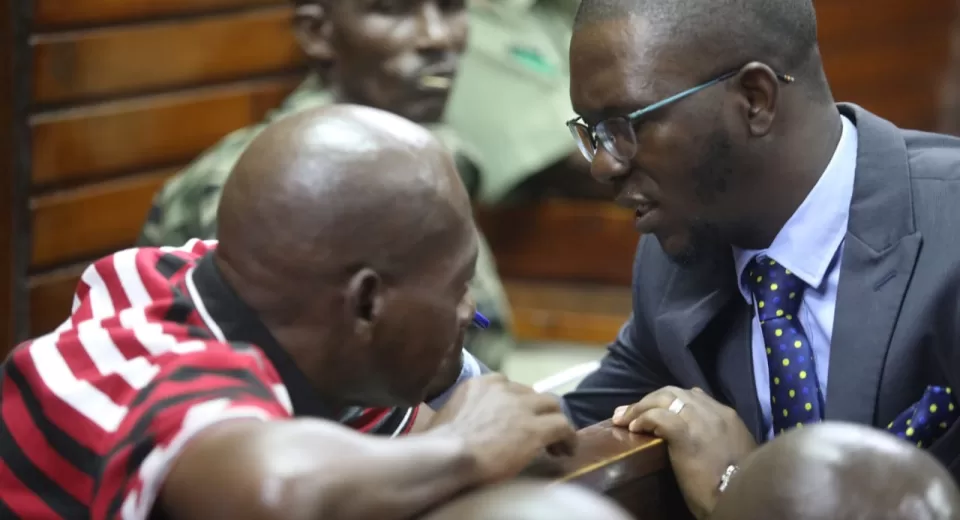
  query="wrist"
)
[{"x": 463, "y": 457}]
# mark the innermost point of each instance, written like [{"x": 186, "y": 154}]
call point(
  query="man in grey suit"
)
[{"x": 788, "y": 241}]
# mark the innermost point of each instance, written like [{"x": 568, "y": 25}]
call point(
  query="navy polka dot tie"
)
[
  {"x": 928, "y": 419},
  {"x": 795, "y": 397}
]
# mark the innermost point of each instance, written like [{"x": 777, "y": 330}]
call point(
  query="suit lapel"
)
[
  {"x": 694, "y": 298},
  {"x": 880, "y": 251},
  {"x": 735, "y": 371}
]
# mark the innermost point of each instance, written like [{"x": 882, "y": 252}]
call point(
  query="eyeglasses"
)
[{"x": 618, "y": 135}]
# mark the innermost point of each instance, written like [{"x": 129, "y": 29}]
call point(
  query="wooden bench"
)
[{"x": 108, "y": 99}]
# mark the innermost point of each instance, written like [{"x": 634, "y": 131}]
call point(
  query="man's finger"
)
[
  {"x": 661, "y": 423},
  {"x": 661, "y": 398},
  {"x": 542, "y": 404}
]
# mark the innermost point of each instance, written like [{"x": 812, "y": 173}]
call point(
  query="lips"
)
[
  {"x": 646, "y": 216},
  {"x": 437, "y": 76},
  {"x": 644, "y": 208}
]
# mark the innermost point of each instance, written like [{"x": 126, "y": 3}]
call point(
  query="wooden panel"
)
[
  {"x": 51, "y": 297},
  {"x": 83, "y": 144},
  {"x": 102, "y": 62},
  {"x": 888, "y": 58},
  {"x": 564, "y": 312},
  {"x": 59, "y": 13},
  {"x": 563, "y": 240},
  {"x": 12, "y": 171},
  {"x": 89, "y": 221},
  {"x": 846, "y": 21}
]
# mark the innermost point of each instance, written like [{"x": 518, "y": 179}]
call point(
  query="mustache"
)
[{"x": 443, "y": 68}]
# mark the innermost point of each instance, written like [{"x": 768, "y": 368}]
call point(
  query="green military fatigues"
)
[
  {"x": 186, "y": 208},
  {"x": 512, "y": 94}
]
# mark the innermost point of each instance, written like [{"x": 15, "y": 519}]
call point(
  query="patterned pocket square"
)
[{"x": 927, "y": 419}]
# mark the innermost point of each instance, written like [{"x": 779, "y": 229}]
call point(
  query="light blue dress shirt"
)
[
  {"x": 471, "y": 368},
  {"x": 809, "y": 245}
]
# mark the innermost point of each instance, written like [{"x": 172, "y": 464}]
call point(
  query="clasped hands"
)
[{"x": 703, "y": 437}]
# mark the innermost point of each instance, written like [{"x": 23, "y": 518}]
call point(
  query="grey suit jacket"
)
[{"x": 897, "y": 323}]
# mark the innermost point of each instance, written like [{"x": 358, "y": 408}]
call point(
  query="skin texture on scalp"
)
[
  {"x": 783, "y": 33},
  {"x": 348, "y": 231},
  {"x": 840, "y": 471},
  {"x": 530, "y": 500}
]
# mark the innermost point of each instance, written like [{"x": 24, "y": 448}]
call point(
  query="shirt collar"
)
[
  {"x": 809, "y": 241},
  {"x": 230, "y": 319}
]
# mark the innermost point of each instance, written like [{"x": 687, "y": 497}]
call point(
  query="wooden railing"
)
[{"x": 632, "y": 469}]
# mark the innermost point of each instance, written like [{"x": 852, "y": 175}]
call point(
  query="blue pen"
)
[{"x": 480, "y": 321}]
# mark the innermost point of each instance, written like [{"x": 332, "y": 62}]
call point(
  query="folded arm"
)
[{"x": 252, "y": 470}]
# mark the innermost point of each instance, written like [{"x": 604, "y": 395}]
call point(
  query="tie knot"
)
[{"x": 778, "y": 292}]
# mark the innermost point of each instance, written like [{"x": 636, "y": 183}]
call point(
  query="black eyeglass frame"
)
[{"x": 587, "y": 136}]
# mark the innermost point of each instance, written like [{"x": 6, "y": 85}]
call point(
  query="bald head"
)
[
  {"x": 840, "y": 471},
  {"x": 348, "y": 232},
  {"x": 530, "y": 500},
  {"x": 729, "y": 33},
  {"x": 341, "y": 186}
]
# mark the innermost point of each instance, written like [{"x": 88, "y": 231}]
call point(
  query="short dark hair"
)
[{"x": 781, "y": 33}]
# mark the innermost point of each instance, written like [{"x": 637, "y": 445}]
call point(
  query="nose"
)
[
  {"x": 434, "y": 32},
  {"x": 606, "y": 168}
]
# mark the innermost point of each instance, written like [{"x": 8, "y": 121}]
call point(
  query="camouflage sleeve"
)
[
  {"x": 152, "y": 233},
  {"x": 186, "y": 206}
]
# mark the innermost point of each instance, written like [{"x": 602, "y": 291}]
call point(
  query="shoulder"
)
[
  {"x": 932, "y": 156},
  {"x": 213, "y": 166},
  {"x": 934, "y": 164},
  {"x": 186, "y": 204},
  {"x": 142, "y": 279}
]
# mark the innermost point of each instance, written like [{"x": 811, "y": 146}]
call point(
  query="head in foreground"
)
[
  {"x": 712, "y": 120},
  {"x": 530, "y": 500},
  {"x": 840, "y": 471},
  {"x": 399, "y": 55},
  {"x": 348, "y": 231}
]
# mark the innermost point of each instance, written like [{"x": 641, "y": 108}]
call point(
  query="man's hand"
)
[
  {"x": 505, "y": 424},
  {"x": 703, "y": 438}
]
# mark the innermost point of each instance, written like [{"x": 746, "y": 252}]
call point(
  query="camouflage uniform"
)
[
  {"x": 186, "y": 208},
  {"x": 512, "y": 94}
]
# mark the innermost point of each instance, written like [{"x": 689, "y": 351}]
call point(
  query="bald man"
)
[
  {"x": 530, "y": 500},
  {"x": 401, "y": 58},
  {"x": 839, "y": 471},
  {"x": 207, "y": 381}
]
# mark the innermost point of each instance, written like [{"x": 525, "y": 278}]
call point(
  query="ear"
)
[
  {"x": 364, "y": 299},
  {"x": 313, "y": 28},
  {"x": 761, "y": 92}
]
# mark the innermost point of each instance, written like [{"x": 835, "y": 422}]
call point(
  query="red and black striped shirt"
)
[{"x": 157, "y": 348}]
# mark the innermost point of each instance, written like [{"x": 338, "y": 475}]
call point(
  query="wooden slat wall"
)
[
  {"x": 12, "y": 199},
  {"x": 123, "y": 93}
]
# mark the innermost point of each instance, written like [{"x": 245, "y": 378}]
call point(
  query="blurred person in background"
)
[
  {"x": 401, "y": 56},
  {"x": 512, "y": 93}
]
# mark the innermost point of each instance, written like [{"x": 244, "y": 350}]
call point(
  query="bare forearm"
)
[
  {"x": 414, "y": 474},
  {"x": 313, "y": 469}
]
